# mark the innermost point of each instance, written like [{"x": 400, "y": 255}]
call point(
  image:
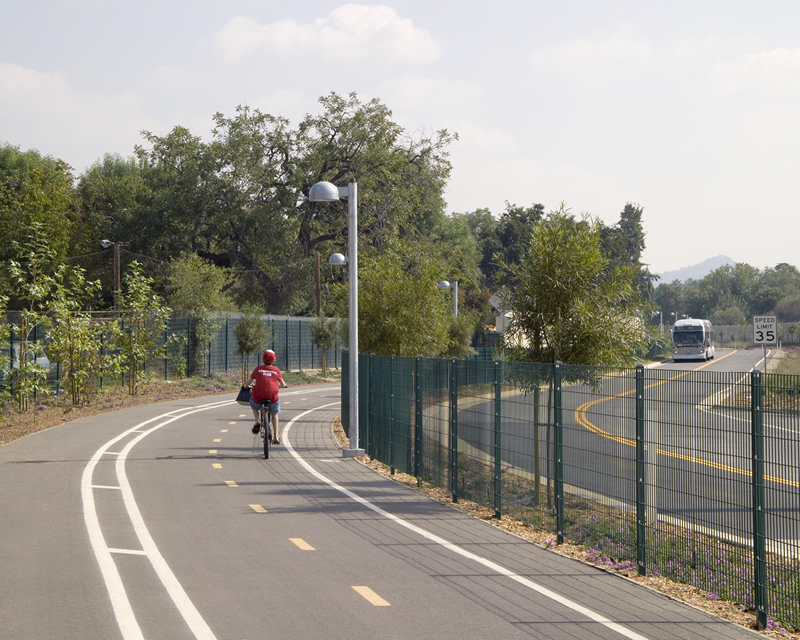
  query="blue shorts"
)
[{"x": 274, "y": 408}]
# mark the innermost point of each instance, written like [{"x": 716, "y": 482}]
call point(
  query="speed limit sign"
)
[{"x": 765, "y": 330}]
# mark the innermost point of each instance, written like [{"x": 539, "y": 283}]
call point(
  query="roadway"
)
[
  {"x": 698, "y": 437},
  {"x": 164, "y": 521}
]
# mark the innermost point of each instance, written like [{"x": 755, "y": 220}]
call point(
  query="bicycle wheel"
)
[{"x": 265, "y": 431}]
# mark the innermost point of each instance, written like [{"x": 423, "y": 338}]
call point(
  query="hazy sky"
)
[{"x": 690, "y": 109}]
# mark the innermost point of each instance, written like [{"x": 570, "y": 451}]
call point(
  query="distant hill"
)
[{"x": 697, "y": 271}]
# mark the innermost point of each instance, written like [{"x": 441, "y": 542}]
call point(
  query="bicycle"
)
[{"x": 266, "y": 427}]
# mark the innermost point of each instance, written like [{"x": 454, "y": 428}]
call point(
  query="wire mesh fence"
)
[
  {"x": 691, "y": 475},
  {"x": 290, "y": 338}
]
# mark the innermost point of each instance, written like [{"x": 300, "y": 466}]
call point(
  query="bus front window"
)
[{"x": 687, "y": 338}]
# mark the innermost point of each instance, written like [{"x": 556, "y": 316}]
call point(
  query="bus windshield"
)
[{"x": 687, "y": 338}]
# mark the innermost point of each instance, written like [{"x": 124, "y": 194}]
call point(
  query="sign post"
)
[{"x": 765, "y": 331}]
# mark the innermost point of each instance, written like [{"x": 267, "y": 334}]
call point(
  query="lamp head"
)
[
  {"x": 106, "y": 244},
  {"x": 337, "y": 260},
  {"x": 444, "y": 284},
  {"x": 323, "y": 192}
]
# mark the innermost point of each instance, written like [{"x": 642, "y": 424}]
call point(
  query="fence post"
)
[
  {"x": 102, "y": 357},
  {"x": 226, "y": 345},
  {"x": 345, "y": 394},
  {"x": 498, "y": 452},
  {"x": 453, "y": 383},
  {"x": 759, "y": 519},
  {"x": 558, "y": 423},
  {"x": 286, "y": 343},
  {"x": 417, "y": 419},
  {"x": 641, "y": 489},
  {"x": 188, "y": 346},
  {"x": 11, "y": 356},
  {"x": 390, "y": 400}
]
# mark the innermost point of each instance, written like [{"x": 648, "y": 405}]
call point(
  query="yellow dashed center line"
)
[
  {"x": 224, "y": 431},
  {"x": 258, "y": 508},
  {"x": 217, "y": 465},
  {"x": 583, "y": 420},
  {"x": 371, "y": 596},
  {"x": 217, "y": 439},
  {"x": 231, "y": 483},
  {"x": 212, "y": 450},
  {"x": 302, "y": 544},
  {"x": 234, "y": 421}
]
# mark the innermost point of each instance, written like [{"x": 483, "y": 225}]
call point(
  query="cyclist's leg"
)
[
  {"x": 256, "y": 415},
  {"x": 274, "y": 410}
]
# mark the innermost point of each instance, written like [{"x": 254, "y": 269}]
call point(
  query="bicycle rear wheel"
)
[{"x": 265, "y": 431}]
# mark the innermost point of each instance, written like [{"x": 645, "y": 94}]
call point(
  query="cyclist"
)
[{"x": 266, "y": 380}]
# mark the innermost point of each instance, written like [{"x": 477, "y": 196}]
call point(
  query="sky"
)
[{"x": 690, "y": 109}]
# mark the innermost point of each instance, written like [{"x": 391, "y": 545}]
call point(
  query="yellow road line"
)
[
  {"x": 212, "y": 450},
  {"x": 223, "y": 431},
  {"x": 581, "y": 419},
  {"x": 234, "y": 421},
  {"x": 302, "y": 544},
  {"x": 231, "y": 483},
  {"x": 217, "y": 465},
  {"x": 371, "y": 596},
  {"x": 217, "y": 439},
  {"x": 258, "y": 508}
]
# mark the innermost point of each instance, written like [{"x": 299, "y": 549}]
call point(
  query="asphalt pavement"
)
[{"x": 166, "y": 522}]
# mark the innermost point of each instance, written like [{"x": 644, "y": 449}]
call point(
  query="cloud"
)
[
  {"x": 766, "y": 73},
  {"x": 600, "y": 54},
  {"x": 351, "y": 33},
  {"x": 42, "y": 111},
  {"x": 471, "y": 136}
]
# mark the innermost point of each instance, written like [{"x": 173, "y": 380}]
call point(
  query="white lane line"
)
[
  {"x": 104, "y": 486},
  {"x": 123, "y": 611},
  {"x": 489, "y": 564},
  {"x": 130, "y": 552}
]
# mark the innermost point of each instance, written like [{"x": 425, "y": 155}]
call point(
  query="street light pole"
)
[
  {"x": 444, "y": 284},
  {"x": 117, "y": 280},
  {"x": 327, "y": 192}
]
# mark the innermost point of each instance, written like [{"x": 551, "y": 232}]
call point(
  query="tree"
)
[
  {"x": 74, "y": 337},
  {"x": 514, "y": 230},
  {"x": 143, "y": 320},
  {"x": 624, "y": 243},
  {"x": 34, "y": 189},
  {"x": 251, "y": 335},
  {"x": 28, "y": 281},
  {"x": 484, "y": 229},
  {"x": 197, "y": 288},
  {"x": 671, "y": 299},
  {"x": 567, "y": 304},
  {"x": 326, "y": 333},
  {"x": 401, "y": 309},
  {"x": 241, "y": 202}
]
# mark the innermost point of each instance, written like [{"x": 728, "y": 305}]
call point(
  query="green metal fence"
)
[
  {"x": 291, "y": 340},
  {"x": 688, "y": 474}
]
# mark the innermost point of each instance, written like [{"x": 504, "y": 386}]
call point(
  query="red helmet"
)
[{"x": 268, "y": 357}]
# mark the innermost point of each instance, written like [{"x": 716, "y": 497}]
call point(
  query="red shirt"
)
[{"x": 268, "y": 378}]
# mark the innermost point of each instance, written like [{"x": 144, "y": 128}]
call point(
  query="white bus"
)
[{"x": 692, "y": 340}]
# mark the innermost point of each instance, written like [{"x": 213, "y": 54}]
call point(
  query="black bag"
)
[{"x": 244, "y": 396}]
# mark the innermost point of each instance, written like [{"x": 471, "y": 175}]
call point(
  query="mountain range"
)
[{"x": 697, "y": 271}]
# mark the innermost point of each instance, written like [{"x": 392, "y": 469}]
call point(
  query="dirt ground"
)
[{"x": 15, "y": 425}]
